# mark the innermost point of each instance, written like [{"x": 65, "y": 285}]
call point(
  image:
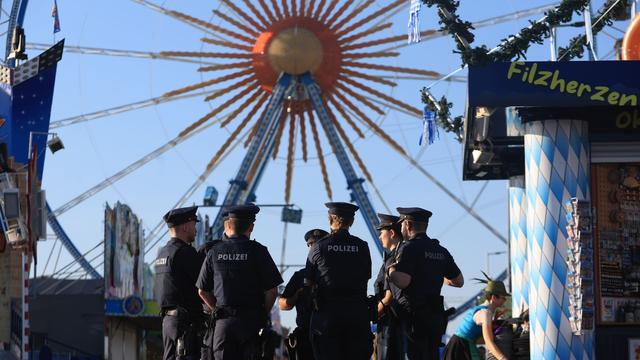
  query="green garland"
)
[
  {"x": 603, "y": 18},
  {"x": 443, "y": 114}
]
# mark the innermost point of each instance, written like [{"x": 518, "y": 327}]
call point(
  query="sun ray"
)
[
  {"x": 278, "y": 138},
  {"x": 227, "y": 89},
  {"x": 228, "y": 44},
  {"x": 203, "y": 84},
  {"x": 238, "y": 24},
  {"x": 346, "y": 117},
  {"x": 290, "y": 152},
  {"x": 338, "y": 13},
  {"x": 303, "y": 137},
  {"x": 263, "y": 22},
  {"x": 242, "y": 106},
  {"x": 360, "y": 98},
  {"x": 217, "y": 110},
  {"x": 349, "y": 144},
  {"x": 391, "y": 68},
  {"x": 319, "y": 8},
  {"x": 294, "y": 8},
  {"x": 211, "y": 26},
  {"x": 267, "y": 11},
  {"x": 276, "y": 9},
  {"x": 373, "y": 78},
  {"x": 312, "y": 4},
  {"x": 352, "y": 106},
  {"x": 387, "y": 40},
  {"x": 285, "y": 8},
  {"x": 303, "y": 8},
  {"x": 376, "y": 54},
  {"x": 366, "y": 33},
  {"x": 359, "y": 9},
  {"x": 237, "y": 131},
  {"x": 376, "y": 14},
  {"x": 204, "y": 54},
  {"x": 323, "y": 165},
  {"x": 330, "y": 8},
  {"x": 381, "y": 95}
]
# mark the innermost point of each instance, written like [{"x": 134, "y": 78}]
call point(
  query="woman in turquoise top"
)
[{"x": 477, "y": 324}]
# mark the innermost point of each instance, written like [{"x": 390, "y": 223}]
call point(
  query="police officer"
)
[
  {"x": 298, "y": 295},
  {"x": 389, "y": 340},
  {"x": 177, "y": 267},
  {"x": 423, "y": 265},
  {"x": 339, "y": 267},
  {"x": 239, "y": 281}
]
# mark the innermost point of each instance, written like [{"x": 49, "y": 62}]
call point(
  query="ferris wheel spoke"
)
[
  {"x": 130, "y": 168},
  {"x": 391, "y": 106},
  {"x": 246, "y": 16},
  {"x": 207, "y": 83},
  {"x": 285, "y": 9},
  {"x": 359, "y": 9},
  {"x": 346, "y": 116},
  {"x": 391, "y": 68},
  {"x": 176, "y": 15},
  {"x": 276, "y": 9},
  {"x": 349, "y": 144},
  {"x": 210, "y": 26},
  {"x": 219, "y": 67},
  {"x": 319, "y": 8},
  {"x": 360, "y": 98},
  {"x": 248, "y": 81},
  {"x": 316, "y": 141},
  {"x": 377, "y": 79},
  {"x": 217, "y": 110},
  {"x": 330, "y": 8},
  {"x": 341, "y": 10},
  {"x": 205, "y": 54},
  {"x": 458, "y": 79},
  {"x": 309, "y": 10},
  {"x": 290, "y": 158},
  {"x": 255, "y": 13},
  {"x": 243, "y": 106},
  {"x": 278, "y": 137},
  {"x": 227, "y": 44},
  {"x": 386, "y": 40},
  {"x": 294, "y": 8},
  {"x": 303, "y": 137},
  {"x": 303, "y": 8},
  {"x": 238, "y": 24},
  {"x": 356, "y": 110},
  {"x": 84, "y": 50},
  {"x": 267, "y": 11},
  {"x": 366, "y": 33},
  {"x": 371, "y": 17},
  {"x": 380, "y": 95},
  {"x": 377, "y": 54},
  {"x": 56, "y": 124}
]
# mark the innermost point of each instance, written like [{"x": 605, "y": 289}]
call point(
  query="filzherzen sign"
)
[{"x": 555, "y": 84}]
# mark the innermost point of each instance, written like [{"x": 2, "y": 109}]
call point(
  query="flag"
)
[
  {"x": 56, "y": 17},
  {"x": 414, "y": 21},
  {"x": 429, "y": 128}
]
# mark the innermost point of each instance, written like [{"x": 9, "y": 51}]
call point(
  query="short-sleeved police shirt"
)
[
  {"x": 428, "y": 263},
  {"x": 184, "y": 269},
  {"x": 238, "y": 271},
  {"x": 340, "y": 265},
  {"x": 303, "y": 309}
]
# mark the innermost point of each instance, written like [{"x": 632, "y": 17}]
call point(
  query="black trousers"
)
[
  {"x": 341, "y": 332},
  {"x": 175, "y": 327},
  {"x": 236, "y": 338},
  {"x": 421, "y": 345},
  {"x": 302, "y": 349},
  {"x": 390, "y": 340}
]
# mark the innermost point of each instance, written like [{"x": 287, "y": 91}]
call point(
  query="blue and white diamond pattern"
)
[
  {"x": 518, "y": 246},
  {"x": 556, "y": 169}
]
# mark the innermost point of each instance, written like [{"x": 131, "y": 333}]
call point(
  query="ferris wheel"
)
[{"x": 296, "y": 81}]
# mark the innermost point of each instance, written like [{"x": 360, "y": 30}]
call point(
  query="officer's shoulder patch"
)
[{"x": 161, "y": 261}]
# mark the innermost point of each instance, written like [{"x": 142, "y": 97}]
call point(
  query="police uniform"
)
[
  {"x": 300, "y": 336},
  {"x": 238, "y": 271},
  {"x": 389, "y": 340},
  {"x": 339, "y": 265},
  {"x": 176, "y": 270},
  {"x": 427, "y": 262}
]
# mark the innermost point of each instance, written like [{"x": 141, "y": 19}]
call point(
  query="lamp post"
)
[{"x": 488, "y": 262}]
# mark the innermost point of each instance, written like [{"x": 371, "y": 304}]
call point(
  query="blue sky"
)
[{"x": 97, "y": 149}]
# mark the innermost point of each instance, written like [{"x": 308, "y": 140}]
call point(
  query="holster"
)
[{"x": 372, "y": 305}]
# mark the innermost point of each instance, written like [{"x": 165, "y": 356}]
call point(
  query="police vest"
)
[
  {"x": 167, "y": 283},
  {"x": 236, "y": 271},
  {"x": 345, "y": 270}
]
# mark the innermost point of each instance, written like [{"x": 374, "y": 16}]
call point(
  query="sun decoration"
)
[{"x": 296, "y": 37}]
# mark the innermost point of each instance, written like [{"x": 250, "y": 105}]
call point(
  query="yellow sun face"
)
[{"x": 295, "y": 51}]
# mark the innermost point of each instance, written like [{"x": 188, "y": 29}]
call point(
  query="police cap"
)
[
  {"x": 387, "y": 221},
  {"x": 316, "y": 234},
  {"x": 246, "y": 212},
  {"x": 414, "y": 214},
  {"x": 181, "y": 216},
  {"x": 342, "y": 209}
]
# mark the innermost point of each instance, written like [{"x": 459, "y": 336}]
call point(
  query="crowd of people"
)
[{"x": 234, "y": 282}]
